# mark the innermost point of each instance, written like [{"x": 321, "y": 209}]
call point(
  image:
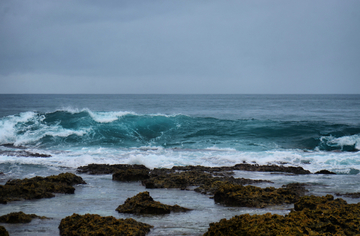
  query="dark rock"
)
[
  {"x": 325, "y": 172},
  {"x": 143, "y": 203},
  {"x": 38, "y": 187},
  {"x": 191, "y": 176},
  {"x": 312, "y": 216},
  {"x": 19, "y": 217},
  {"x": 351, "y": 195},
  {"x": 98, "y": 169},
  {"x": 3, "y": 231},
  {"x": 92, "y": 224},
  {"x": 271, "y": 168},
  {"x": 131, "y": 175},
  {"x": 251, "y": 196}
]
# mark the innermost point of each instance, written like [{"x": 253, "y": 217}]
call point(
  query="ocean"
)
[{"x": 42, "y": 135}]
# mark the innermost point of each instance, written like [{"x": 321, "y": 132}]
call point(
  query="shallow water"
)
[{"x": 102, "y": 196}]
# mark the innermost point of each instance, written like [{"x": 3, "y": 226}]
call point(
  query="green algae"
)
[
  {"x": 3, "y": 231},
  {"x": 143, "y": 203},
  {"x": 19, "y": 217},
  {"x": 311, "y": 216},
  {"x": 92, "y": 224},
  {"x": 252, "y": 196},
  {"x": 38, "y": 187}
]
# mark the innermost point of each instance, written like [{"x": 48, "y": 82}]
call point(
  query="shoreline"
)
[{"x": 101, "y": 195}]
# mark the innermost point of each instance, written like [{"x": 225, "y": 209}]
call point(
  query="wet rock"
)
[
  {"x": 97, "y": 169},
  {"x": 325, "y": 172},
  {"x": 3, "y": 231},
  {"x": 143, "y": 203},
  {"x": 38, "y": 187},
  {"x": 271, "y": 168},
  {"x": 251, "y": 196},
  {"x": 312, "y": 216},
  {"x": 205, "y": 182},
  {"x": 92, "y": 224},
  {"x": 351, "y": 195},
  {"x": 131, "y": 175},
  {"x": 19, "y": 217}
]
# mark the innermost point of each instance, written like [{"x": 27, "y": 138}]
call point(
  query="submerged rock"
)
[
  {"x": 92, "y": 224},
  {"x": 3, "y": 231},
  {"x": 143, "y": 203},
  {"x": 312, "y": 216},
  {"x": 19, "y": 217},
  {"x": 251, "y": 196},
  {"x": 38, "y": 187},
  {"x": 97, "y": 169}
]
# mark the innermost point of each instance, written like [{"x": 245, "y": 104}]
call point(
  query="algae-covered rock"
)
[
  {"x": 38, "y": 187},
  {"x": 143, "y": 203},
  {"x": 205, "y": 181},
  {"x": 312, "y": 216},
  {"x": 97, "y": 169},
  {"x": 3, "y": 231},
  {"x": 252, "y": 196},
  {"x": 19, "y": 217},
  {"x": 131, "y": 175},
  {"x": 92, "y": 224}
]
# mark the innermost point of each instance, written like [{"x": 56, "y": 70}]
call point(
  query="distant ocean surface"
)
[
  {"x": 42, "y": 135},
  {"x": 313, "y": 131}
]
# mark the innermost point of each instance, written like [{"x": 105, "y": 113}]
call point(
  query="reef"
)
[
  {"x": 252, "y": 196},
  {"x": 92, "y": 224},
  {"x": 19, "y": 217},
  {"x": 311, "y": 216},
  {"x": 143, "y": 203},
  {"x": 38, "y": 187},
  {"x": 98, "y": 169},
  {"x": 3, "y": 231}
]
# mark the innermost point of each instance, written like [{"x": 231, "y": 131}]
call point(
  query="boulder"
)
[
  {"x": 143, "y": 203},
  {"x": 19, "y": 217},
  {"x": 92, "y": 224},
  {"x": 38, "y": 187},
  {"x": 252, "y": 196}
]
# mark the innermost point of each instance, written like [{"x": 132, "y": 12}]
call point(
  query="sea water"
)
[{"x": 312, "y": 131}]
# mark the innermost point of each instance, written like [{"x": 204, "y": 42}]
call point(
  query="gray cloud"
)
[{"x": 179, "y": 46}]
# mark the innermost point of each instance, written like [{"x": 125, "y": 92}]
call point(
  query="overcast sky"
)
[{"x": 198, "y": 46}]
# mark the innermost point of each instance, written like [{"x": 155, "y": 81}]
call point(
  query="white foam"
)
[{"x": 107, "y": 117}]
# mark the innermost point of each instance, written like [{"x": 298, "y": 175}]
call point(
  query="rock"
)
[
  {"x": 351, "y": 195},
  {"x": 38, "y": 187},
  {"x": 143, "y": 203},
  {"x": 19, "y": 217},
  {"x": 325, "y": 172},
  {"x": 92, "y": 224},
  {"x": 131, "y": 175},
  {"x": 272, "y": 168},
  {"x": 97, "y": 169},
  {"x": 206, "y": 183},
  {"x": 3, "y": 231},
  {"x": 312, "y": 216},
  {"x": 251, "y": 196}
]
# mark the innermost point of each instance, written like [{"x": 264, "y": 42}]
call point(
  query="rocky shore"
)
[{"x": 311, "y": 215}]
